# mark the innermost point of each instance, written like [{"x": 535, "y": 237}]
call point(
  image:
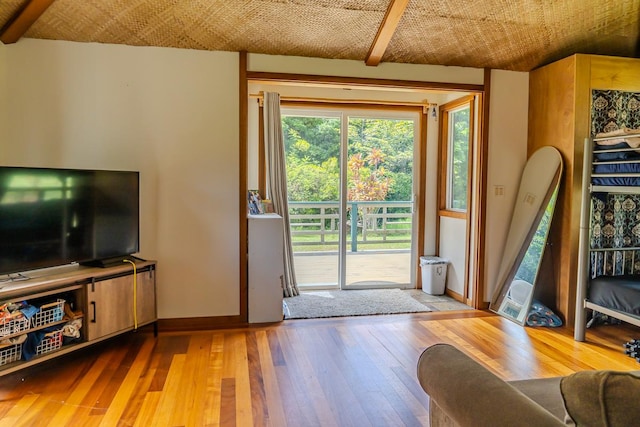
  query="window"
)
[
  {"x": 456, "y": 136},
  {"x": 458, "y": 155}
]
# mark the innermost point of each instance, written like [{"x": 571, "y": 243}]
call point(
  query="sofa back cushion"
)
[
  {"x": 602, "y": 398},
  {"x": 471, "y": 395}
]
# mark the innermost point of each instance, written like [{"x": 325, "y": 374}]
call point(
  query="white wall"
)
[
  {"x": 171, "y": 114},
  {"x": 452, "y": 247},
  {"x": 507, "y": 157}
]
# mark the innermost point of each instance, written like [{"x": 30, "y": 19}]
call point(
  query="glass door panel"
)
[
  {"x": 312, "y": 150},
  {"x": 379, "y": 207}
]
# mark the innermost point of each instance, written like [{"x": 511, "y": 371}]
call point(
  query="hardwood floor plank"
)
[
  {"x": 92, "y": 401},
  {"x": 274, "y": 412},
  {"x": 136, "y": 401},
  {"x": 333, "y": 375},
  {"x": 381, "y": 404},
  {"x": 228, "y": 402},
  {"x": 276, "y": 352},
  {"x": 36, "y": 416},
  {"x": 148, "y": 408},
  {"x": 170, "y": 392},
  {"x": 78, "y": 394},
  {"x": 392, "y": 374},
  {"x": 322, "y": 372},
  {"x": 17, "y": 412},
  {"x": 244, "y": 412},
  {"x": 306, "y": 402},
  {"x": 187, "y": 380},
  {"x": 168, "y": 345},
  {"x": 260, "y": 412},
  {"x": 213, "y": 390},
  {"x": 127, "y": 386},
  {"x": 198, "y": 357},
  {"x": 119, "y": 370}
]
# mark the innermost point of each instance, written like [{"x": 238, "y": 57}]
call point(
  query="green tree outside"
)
[{"x": 385, "y": 147}]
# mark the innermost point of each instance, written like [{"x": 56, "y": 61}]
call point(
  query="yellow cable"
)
[{"x": 135, "y": 297}]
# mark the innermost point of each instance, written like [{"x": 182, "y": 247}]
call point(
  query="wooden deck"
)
[{"x": 363, "y": 268}]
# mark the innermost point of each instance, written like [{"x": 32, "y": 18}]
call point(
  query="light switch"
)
[{"x": 530, "y": 198}]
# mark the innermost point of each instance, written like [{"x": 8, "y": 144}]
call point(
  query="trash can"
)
[{"x": 434, "y": 274}]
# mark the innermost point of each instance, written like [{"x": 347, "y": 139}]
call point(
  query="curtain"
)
[{"x": 277, "y": 182}]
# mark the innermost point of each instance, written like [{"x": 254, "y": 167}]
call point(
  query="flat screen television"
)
[{"x": 51, "y": 217}]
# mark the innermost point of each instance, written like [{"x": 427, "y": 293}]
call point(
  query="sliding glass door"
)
[
  {"x": 312, "y": 149},
  {"x": 350, "y": 181}
]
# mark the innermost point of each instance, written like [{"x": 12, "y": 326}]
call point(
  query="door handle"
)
[{"x": 93, "y": 304}]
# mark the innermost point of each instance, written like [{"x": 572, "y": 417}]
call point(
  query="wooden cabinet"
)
[
  {"x": 146, "y": 297},
  {"x": 105, "y": 298},
  {"x": 560, "y": 116},
  {"x": 111, "y": 303}
]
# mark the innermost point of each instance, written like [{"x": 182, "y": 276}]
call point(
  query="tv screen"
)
[{"x": 51, "y": 217}]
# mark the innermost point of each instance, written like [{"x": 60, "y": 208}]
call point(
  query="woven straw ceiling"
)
[{"x": 504, "y": 34}]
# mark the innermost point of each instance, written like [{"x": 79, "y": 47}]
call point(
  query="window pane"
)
[{"x": 458, "y": 159}]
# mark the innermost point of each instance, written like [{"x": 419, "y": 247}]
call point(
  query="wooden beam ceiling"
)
[
  {"x": 23, "y": 19},
  {"x": 385, "y": 32}
]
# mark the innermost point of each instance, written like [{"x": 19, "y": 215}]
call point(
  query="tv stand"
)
[{"x": 100, "y": 296}]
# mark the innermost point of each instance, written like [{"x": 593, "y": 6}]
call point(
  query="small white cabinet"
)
[{"x": 266, "y": 267}]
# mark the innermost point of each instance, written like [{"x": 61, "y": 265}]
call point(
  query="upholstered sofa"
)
[{"x": 464, "y": 393}]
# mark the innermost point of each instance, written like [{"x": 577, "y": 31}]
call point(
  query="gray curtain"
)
[{"x": 277, "y": 182}]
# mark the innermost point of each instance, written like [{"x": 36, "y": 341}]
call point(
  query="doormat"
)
[{"x": 315, "y": 304}]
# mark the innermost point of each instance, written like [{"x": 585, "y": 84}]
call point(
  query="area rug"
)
[{"x": 315, "y": 304}]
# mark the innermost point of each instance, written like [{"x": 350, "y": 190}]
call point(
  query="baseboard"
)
[
  {"x": 484, "y": 305},
  {"x": 205, "y": 323},
  {"x": 456, "y": 296}
]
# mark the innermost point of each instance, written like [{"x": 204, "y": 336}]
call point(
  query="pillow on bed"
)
[
  {"x": 622, "y": 131},
  {"x": 619, "y": 155},
  {"x": 602, "y": 398}
]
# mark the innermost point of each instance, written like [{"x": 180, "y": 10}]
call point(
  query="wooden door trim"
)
[{"x": 443, "y": 161}]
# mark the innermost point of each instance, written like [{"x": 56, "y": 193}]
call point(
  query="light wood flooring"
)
[{"x": 322, "y": 372}]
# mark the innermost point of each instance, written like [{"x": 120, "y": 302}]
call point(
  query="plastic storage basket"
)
[
  {"x": 49, "y": 313},
  {"x": 13, "y": 326},
  {"x": 51, "y": 341},
  {"x": 10, "y": 353}
]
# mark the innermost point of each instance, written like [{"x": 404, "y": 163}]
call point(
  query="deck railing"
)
[{"x": 377, "y": 223}]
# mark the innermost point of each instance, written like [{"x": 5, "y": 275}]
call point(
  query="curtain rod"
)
[{"x": 425, "y": 104}]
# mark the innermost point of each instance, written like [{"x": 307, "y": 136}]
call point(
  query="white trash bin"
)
[{"x": 434, "y": 274}]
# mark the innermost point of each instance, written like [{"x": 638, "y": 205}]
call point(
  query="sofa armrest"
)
[{"x": 473, "y": 396}]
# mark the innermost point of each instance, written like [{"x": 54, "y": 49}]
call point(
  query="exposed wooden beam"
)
[
  {"x": 23, "y": 19},
  {"x": 385, "y": 32},
  {"x": 312, "y": 80}
]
